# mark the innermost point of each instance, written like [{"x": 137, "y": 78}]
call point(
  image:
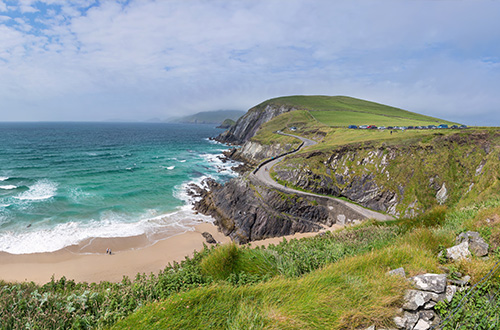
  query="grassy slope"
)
[
  {"x": 424, "y": 161},
  {"x": 437, "y": 159},
  {"x": 318, "y": 114},
  {"x": 344, "y": 111},
  {"x": 352, "y": 293}
]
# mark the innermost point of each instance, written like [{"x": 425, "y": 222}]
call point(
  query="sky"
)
[{"x": 86, "y": 60}]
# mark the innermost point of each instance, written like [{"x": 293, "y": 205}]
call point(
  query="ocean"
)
[{"x": 63, "y": 183}]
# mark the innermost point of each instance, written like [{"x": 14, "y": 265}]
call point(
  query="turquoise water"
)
[{"x": 61, "y": 183}]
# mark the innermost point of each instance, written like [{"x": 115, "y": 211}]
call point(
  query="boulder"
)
[
  {"x": 477, "y": 245},
  {"x": 209, "y": 238},
  {"x": 422, "y": 325},
  {"x": 426, "y": 315},
  {"x": 398, "y": 272},
  {"x": 400, "y": 322},
  {"x": 458, "y": 252},
  {"x": 450, "y": 292},
  {"x": 442, "y": 194},
  {"x": 410, "y": 319},
  {"x": 430, "y": 282},
  {"x": 414, "y": 299}
]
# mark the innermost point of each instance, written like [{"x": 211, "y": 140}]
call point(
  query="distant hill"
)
[
  {"x": 227, "y": 123},
  {"x": 210, "y": 117}
]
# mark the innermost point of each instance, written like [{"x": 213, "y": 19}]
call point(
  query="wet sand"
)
[{"x": 88, "y": 262}]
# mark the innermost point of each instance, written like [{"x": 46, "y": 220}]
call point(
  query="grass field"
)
[
  {"x": 346, "y": 118},
  {"x": 344, "y": 111}
]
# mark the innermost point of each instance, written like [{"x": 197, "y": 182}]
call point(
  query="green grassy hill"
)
[{"x": 344, "y": 111}]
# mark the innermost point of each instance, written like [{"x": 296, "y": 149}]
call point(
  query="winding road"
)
[{"x": 263, "y": 175}]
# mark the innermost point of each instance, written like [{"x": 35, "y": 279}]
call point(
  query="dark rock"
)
[
  {"x": 247, "y": 211},
  {"x": 426, "y": 315},
  {"x": 209, "y": 238}
]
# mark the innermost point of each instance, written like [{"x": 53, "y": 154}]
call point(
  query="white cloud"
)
[{"x": 145, "y": 58}]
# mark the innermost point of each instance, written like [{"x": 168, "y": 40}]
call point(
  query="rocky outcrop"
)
[
  {"x": 208, "y": 237},
  {"x": 227, "y": 124},
  {"x": 468, "y": 243},
  {"x": 255, "y": 152},
  {"x": 249, "y": 124},
  {"x": 402, "y": 180},
  {"x": 247, "y": 211},
  {"x": 341, "y": 177},
  {"x": 418, "y": 307},
  {"x": 476, "y": 243}
]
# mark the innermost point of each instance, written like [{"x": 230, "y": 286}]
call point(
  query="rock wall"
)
[
  {"x": 402, "y": 180},
  {"x": 246, "y": 211},
  {"x": 254, "y": 152},
  {"x": 246, "y": 127}
]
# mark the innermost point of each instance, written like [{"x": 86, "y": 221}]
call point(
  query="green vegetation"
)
[
  {"x": 343, "y": 111},
  {"x": 227, "y": 123},
  {"x": 210, "y": 117},
  {"x": 300, "y": 119},
  {"x": 319, "y": 118},
  {"x": 349, "y": 291},
  {"x": 414, "y": 165},
  {"x": 333, "y": 280}
]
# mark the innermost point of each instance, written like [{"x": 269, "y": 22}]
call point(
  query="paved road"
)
[{"x": 263, "y": 175}]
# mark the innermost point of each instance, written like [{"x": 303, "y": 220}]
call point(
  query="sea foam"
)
[
  {"x": 41, "y": 190},
  {"x": 111, "y": 225},
  {"x": 8, "y": 187}
]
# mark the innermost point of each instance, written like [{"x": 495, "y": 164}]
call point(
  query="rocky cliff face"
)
[
  {"x": 249, "y": 124},
  {"x": 246, "y": 211},
  {"x": 402, "y": 180},
  {"x": 254, "y": 152}
]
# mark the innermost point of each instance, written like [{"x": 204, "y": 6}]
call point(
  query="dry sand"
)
[{"x": 89, "y": 262}]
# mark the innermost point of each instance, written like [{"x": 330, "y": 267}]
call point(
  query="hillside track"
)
[{"x": 264, "y": 176}]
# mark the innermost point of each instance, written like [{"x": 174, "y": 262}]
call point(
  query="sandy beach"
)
[{"x": 88, "y": 262}]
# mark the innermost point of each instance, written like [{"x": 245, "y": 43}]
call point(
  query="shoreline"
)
[{"x": 88, "y": 261}]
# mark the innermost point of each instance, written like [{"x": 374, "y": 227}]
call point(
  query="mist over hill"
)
[{"x": 209, "y": 117}]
